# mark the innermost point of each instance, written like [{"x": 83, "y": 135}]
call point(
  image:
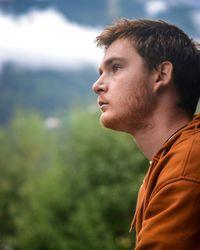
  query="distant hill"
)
[{"x": 48, "y": 92}]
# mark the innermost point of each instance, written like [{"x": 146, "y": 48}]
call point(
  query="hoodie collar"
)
[{"x": 193, "y": 125}]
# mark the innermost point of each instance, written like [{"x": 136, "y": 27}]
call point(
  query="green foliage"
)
[
  {"x": 22, "y": 152},
  {"x": 70, "y": 188}
]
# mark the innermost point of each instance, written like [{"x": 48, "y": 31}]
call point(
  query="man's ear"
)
[{"x": 164, "y": 75}]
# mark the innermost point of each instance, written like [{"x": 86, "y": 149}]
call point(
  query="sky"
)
[
  {"x": 45, "y": 39},
  {"x": 155, "y": 7}
]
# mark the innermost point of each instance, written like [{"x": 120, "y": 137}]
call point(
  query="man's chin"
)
[
  {"x": 109, "y": 122},
  {"x": 105, "y": 121}
]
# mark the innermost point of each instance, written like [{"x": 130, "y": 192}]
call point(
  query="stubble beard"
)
[
  {"x": 137, "y": 115},
  {"x": 140, "y": 117}
]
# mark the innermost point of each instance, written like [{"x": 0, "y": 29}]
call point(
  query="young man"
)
[{"x": 149, "y": 86}]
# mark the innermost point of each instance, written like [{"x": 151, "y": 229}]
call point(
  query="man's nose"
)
[{"x": 99, "y": 86}]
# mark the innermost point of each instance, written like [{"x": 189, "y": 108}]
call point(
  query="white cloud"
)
[
  {"x": 195, "y": 16},
  {"x": 155, "y": 7},
  {"x": 47, "y": 39},
  {"x": 190, "y": 3}
]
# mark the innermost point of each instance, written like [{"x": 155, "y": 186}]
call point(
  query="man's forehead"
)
[
  {"x": 109, "y": 60},
  {"x": 118, "y": 50},
  {"x": 120, "y": 46}
]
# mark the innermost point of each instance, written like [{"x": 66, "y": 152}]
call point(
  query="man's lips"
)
[{"x": 102, "y": 104}]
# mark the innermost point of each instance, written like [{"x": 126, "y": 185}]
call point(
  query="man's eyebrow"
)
[{"x": 109, "y": 61}]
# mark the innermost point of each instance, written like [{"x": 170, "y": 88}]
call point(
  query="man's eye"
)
[{"x": 115, "y": 67}]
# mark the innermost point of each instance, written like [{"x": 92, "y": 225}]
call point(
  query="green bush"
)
[{"x": 72, "y": 188}]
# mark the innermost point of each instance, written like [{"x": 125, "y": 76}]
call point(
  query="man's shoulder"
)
[
  {"x": 181, "y": 161},
  {"x": 188, "y": 153}
]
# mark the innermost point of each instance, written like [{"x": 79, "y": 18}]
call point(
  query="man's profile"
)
[{"x": 149, "y": 87}]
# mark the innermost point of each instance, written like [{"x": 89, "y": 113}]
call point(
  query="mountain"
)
[{"x": 51, "y": 93}]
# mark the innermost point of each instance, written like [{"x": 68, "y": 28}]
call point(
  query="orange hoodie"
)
[{"x": 168, "y": 209}]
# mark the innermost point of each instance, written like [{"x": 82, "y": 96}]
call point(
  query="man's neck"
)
[{"x": 161, "y": 128}]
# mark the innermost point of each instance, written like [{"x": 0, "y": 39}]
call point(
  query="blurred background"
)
[{"x": 66, "y": 183}]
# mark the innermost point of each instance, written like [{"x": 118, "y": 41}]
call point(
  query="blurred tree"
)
[
  {"x": 72, "y": 188},
  {"x": 113, "y": 169},
  {"x": 23, "y": 156}
]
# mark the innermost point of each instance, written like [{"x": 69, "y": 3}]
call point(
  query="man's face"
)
[{"x": 124, "y": 88}]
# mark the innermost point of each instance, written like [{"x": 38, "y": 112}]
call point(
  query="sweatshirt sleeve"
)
[{"x": 172, "y": 218}]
